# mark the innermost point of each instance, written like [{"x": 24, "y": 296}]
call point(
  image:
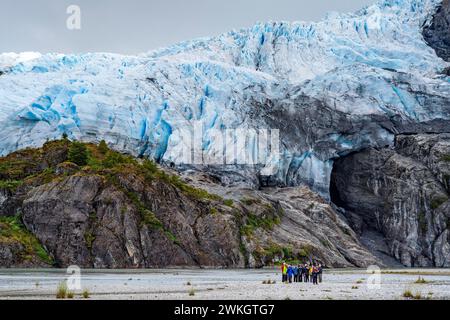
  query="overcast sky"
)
[{"x": 134, "y": 26}]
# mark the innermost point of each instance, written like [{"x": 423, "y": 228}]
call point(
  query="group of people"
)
[{"x": 308, "y": 272}]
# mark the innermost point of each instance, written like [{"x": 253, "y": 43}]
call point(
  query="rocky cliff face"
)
[
  {"x": 397, "y": 199},
  {"x": 437, "y": 33},
  {"x": 134, "y": 215},
  {"x": 85, "y": 221},
  {"x": 125, "y": 213}
]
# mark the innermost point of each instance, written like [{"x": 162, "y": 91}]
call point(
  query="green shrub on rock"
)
[{"x": 78, "y": 154}]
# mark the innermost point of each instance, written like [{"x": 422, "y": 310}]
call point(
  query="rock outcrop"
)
[
  {"x": 86, "y": 221},
  {"x": 437, "y": 33},
  {"x": 398, "y": 198},
  {"x": 18, "y": 247},
  {"x": 305, "y": 226},
  {"x": 12, "y": 256},
  {"x": 118, "y": 212}
]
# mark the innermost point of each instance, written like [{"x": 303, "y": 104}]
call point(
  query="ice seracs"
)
[{"x": 11, "y": 59}]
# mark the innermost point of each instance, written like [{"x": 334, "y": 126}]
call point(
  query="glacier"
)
[{"x": 346, "y": 83}]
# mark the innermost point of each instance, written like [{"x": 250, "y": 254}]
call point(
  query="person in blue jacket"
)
[
  {"x": 295, "y": 270},
  {"x": 290, "y": 273}
]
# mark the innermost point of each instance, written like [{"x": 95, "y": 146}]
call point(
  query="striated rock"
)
[
  {"x": 315, "y": 230},
  {"x": 432, "y": 150},
  {"x": 84, "y": 220},
  {"x": 136, "y": 215},
  {"x": 304, "y": 226},
  {"x": 58, "y": 215},
  {"x": 8, "y": 254},
  {"x": 437, "y": 33},
  {"x": 13, "y": 255},
  {"x": 18, "y": 247},
  {"x": 402, "y": 195}
]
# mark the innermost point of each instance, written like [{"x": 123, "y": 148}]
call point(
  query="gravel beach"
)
[{"x": 225, "y": 284}]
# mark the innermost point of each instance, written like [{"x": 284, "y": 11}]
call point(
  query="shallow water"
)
[{"x": 223, "y": 284}]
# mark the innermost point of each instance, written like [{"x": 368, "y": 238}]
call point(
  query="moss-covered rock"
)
[{"x": 19, "y": 247}]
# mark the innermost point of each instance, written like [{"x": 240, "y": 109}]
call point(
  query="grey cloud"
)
[{"x": 133, "y": 26}]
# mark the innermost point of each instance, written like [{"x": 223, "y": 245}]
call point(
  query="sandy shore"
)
[{"x": 225, "y": 284}]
